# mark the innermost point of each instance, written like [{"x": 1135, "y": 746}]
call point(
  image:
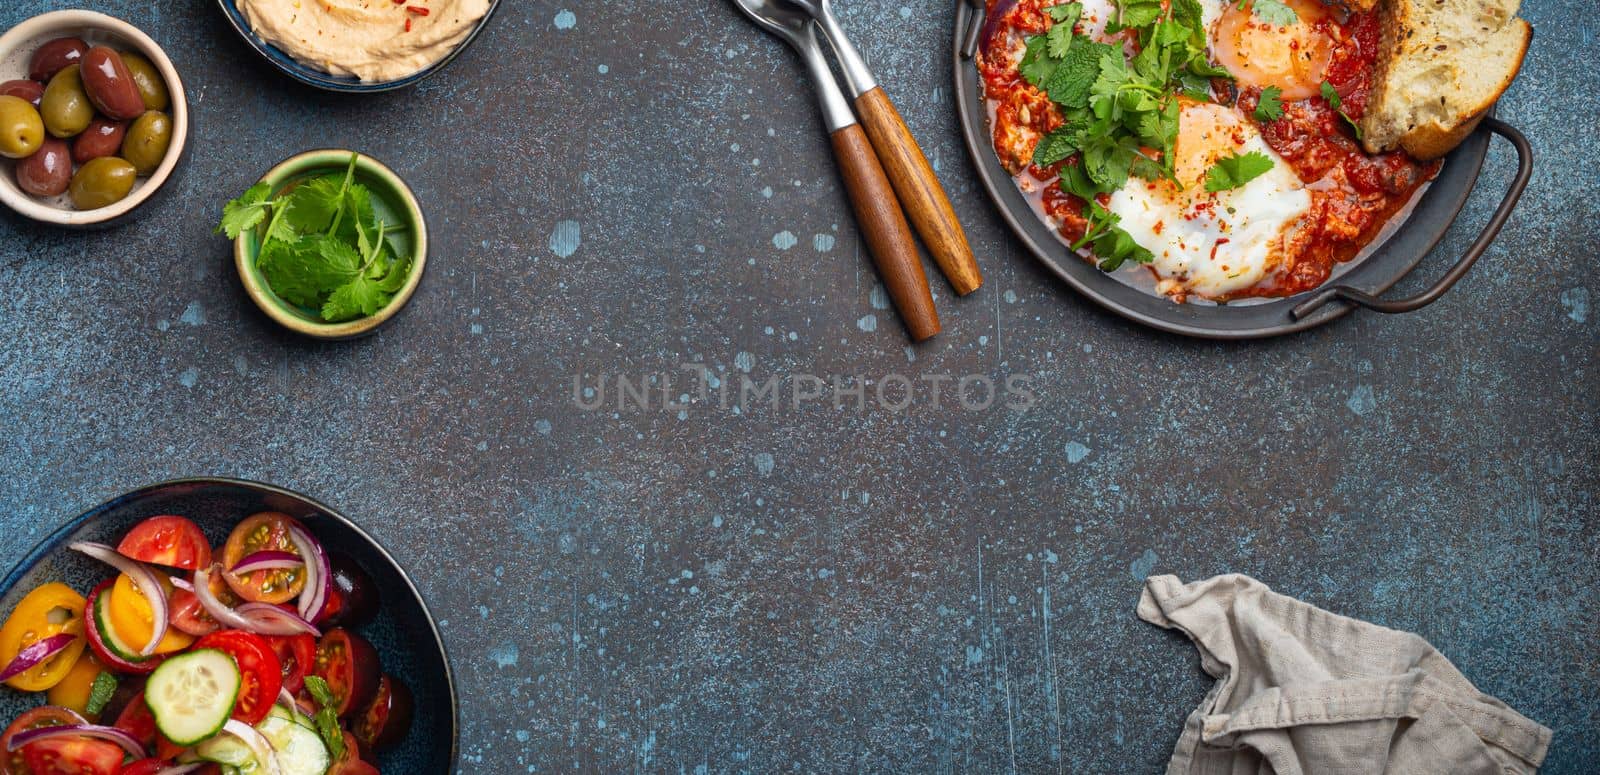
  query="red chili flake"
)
[
  {"x": 416, "y": 10},
  {"x": 408, "y": 25}
]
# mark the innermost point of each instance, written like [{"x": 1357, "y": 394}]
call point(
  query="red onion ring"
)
[
  {"x": 35, "y": 653},
  {"x": 208, "y": 600},
  {"x": 318, "y": 574},
  {"x": 258, "y": 744},
  {"x": 127, "y": 741},
  {"x": 145, "y": 579},
  {"x": 268, "y": 619},
  {"x": 182, "y": 769},
  {"x": 268, "y": 559},
  {"x": 181, "y": 583}
]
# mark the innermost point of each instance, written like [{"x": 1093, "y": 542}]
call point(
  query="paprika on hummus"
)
[{"x": 374, "y": 40}]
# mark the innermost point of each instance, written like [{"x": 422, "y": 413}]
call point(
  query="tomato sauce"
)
[{"x": 1353, "y": 194}]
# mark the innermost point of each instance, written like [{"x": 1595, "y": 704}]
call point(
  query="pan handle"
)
[
  {"x": 1481, "y": 244},
  {"x": 975, "y": 22}
]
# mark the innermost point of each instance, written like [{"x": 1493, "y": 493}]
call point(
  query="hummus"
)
[{"x": 374, "y": 40}]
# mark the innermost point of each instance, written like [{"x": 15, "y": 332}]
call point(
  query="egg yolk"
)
[
  {"x": 1292, "y": 57},
  {"x": 1206, "y": 132}
]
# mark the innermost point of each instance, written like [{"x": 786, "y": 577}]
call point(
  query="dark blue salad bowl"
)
[
  {"x": 311, "y": 76},
  {"x": 404, "y": 633}
]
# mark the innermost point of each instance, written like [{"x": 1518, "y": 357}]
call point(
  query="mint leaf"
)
[
  {"x": 1270, "y": 106},
  {"x": 105, "y": 684},
  {"x": 1073, "y": 78},
  {"x": 1235, "y": 171},
  {"x": 327, "y": 716},
  {"x": 1272, "y": 12},
  {"x": 1054, "y": 147},
  {"x": 246, "y": 212}
]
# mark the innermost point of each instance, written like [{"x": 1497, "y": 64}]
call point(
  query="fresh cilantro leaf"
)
[
  {"x": 1065, "y": 13},
  {"x": 1272, "y": 12},
  {"x": 312, "y": 205},
  {"x": 1059, "y": 39},
  {"x": 1337, "y": 103},
  {"x": 246, "y": 212},
  {"x": 1270, "y": 106},
  {"x": 1332, "y": 96},
  {"x": 1146, "y": 168},
  {"x": 1055, "y": 146},
  {"x": 1188, "y": 14},
  {"x": 1111, "y": 245},
  {"x": 1036, "y": 65},
  {"x": 304, "y": 273},
  {"x": 1133, "y": 14},
  {"x": 358, "y": 298},
  {"x": 395, "y": 279},
  {"x": 1235, "y": 171},
  {"x": 105, "y": 684}
]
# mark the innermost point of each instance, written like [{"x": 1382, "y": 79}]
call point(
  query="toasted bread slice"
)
[{"x": 1441, "y": 67}]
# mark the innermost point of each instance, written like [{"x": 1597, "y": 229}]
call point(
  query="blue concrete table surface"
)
[{"x": 709, "y": 583}]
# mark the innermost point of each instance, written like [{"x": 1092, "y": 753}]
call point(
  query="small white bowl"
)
[{"x": 16, "y": 48}]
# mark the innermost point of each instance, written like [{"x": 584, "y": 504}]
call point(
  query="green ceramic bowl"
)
[{"x": 392, "y": 200}]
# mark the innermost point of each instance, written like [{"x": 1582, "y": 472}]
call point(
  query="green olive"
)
[
  {"x": 147, "y": 141},
  {"x": 21, "y": 129},
  {"x": 102, "y": 182},
  {"x": 66, "y": 107},
  {"x": 152, "y": 89}
]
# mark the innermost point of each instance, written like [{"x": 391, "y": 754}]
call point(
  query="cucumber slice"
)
[
  {"x": 295, "y": 716},
  {"x": 226, "y": 750},
  {"x": 299, "y": 750},
  {"x": 191, "y": 695},
  {"x": 108, "y": 636}
]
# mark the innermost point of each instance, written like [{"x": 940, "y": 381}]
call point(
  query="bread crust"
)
[{"x": 1432, "y": 138}]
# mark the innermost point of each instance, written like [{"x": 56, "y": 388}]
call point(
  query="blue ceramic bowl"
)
[
  {"x": 313, "y": 77},
  {"x": 404, "y": 633}
]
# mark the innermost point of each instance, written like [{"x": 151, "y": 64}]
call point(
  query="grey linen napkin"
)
[{"x": 1301, "y": 691}]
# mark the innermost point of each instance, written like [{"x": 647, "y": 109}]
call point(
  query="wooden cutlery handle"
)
[
  {"x": 919, "y": 190},
  {"x": 887, "y": 234}
]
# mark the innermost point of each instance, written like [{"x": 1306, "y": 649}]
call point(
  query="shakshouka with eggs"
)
[{"x": 1212, "y": 143}]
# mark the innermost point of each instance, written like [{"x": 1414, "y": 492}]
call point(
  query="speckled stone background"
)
[{"x": 628, "y": 189}]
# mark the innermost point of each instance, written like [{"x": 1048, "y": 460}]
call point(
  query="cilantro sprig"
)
[
  {"x": 1331, "y": 95},
  {"x": 1270, "y": 105},
  {"x": 1272, "y": 12},
  {"x": 1120, "y": 114},
  {"x": 323, "y": 246},
  {"x": 1235, "y": 171},
  {"x": 327, "y": 716}
]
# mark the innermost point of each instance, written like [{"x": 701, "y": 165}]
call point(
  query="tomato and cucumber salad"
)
[{"x": 231, "y": 661}]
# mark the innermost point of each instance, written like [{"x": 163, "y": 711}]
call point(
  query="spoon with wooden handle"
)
[
  {"x": 913, "y": 178},
  {"x": 877, "y": 211}
]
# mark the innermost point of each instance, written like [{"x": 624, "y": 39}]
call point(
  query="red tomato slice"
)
[
  {"x": 72, "y": 756},
  {"x": 167, "y": 540},
  {"x": 48, "y": 716},
  {"x": 260, "y": 675},
  {"x": 297, "y": 654},
  {"x": 143, "y": 767},
  {"x": 351, "y": 762},
  {"x": 266, "y": 531},
  {"x": 350, "y": 666}
]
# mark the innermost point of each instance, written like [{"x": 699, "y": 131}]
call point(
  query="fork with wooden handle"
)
[
  {"x": 913, "y": 178},
  {"x": 883, "y": 225}
]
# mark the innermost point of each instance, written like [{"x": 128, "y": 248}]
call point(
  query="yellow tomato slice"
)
[
  {"x": 51, "y": 609},
  {"x": 134, "y": 622},
  {"x": 75, "y": 687}
]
